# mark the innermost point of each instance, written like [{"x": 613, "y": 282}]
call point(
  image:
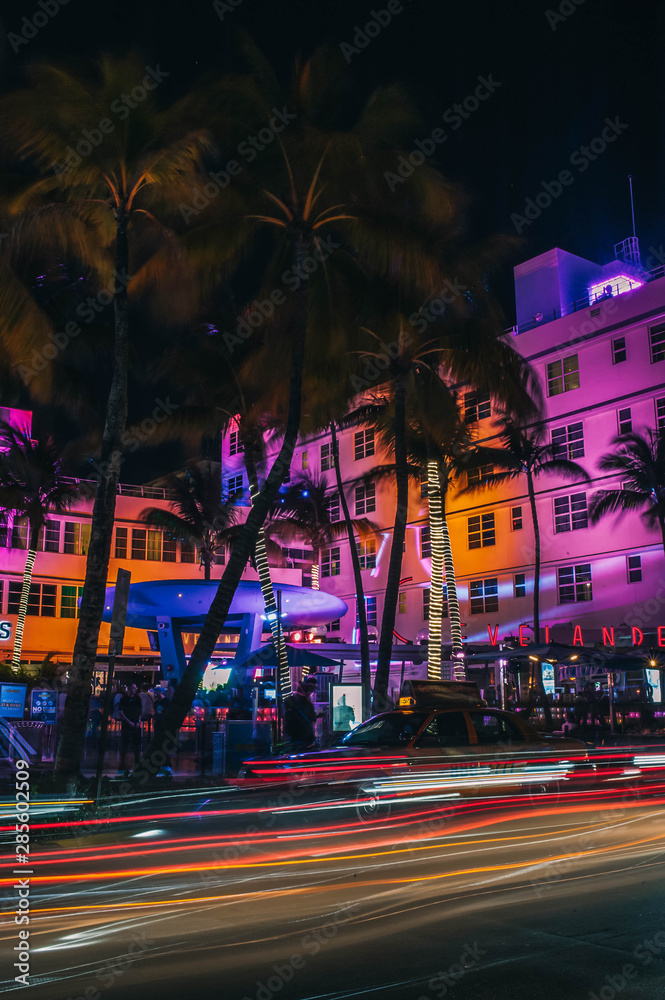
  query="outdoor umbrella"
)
[{"x": 298, "y": 656}]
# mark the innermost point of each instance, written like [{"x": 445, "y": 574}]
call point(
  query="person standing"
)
[
  {"x": 147, "y": 706},
  {"x": 300, "y": 714},
  {"x": 129, "y": 713}
]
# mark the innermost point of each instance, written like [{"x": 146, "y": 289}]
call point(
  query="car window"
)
[
  {"x": 390, "y": 730},
  {"x": 448, "y": 729},
  {"x": 492, "y": 728}
]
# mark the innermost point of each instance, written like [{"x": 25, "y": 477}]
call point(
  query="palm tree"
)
[
  {"x": 525, "y": 454},
  {"x": 32, "y": 486},
  {"x": 137, "y": 164},
  {"x": 639, "y": 460},
  {"x": 320, "y": 195},
  {"x": 304, "y": 512},
  {"x": 198, "y": 512}
]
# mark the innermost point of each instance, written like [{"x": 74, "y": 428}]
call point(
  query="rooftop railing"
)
[{"x": 127, "y": 490}]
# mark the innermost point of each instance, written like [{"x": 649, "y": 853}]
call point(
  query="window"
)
[
  {"x": 41, "y": 599},
  {"x": 372, "y": 617},
  {"x": 139, "y": 543},
  {"x": 49, "y": 537},
  {"x": 367, "y": 552},
  {"x": 449, "y": 729},
  {"x": 484, "y": 596},
  {"x": 516, "y": 518},
  {"x": 624, "y": 420},
  {"x": 77, "y": 537},
  {"x": 401, "y": 602},
  {"x": 304, "y": 460},
  {"x": 365, "y": 499},
  {"x": 363, "y": 444},
  {"x": 154, "y": 552},
  {"x": 424, "y": 486},
  {"x": 335, "y": 626},
  {"x": 69, "y": 602},
  {"x": 634, "y": 566},
  {"x": 425, "y": 542},
  {"x": 657, "y": 343},
  {"x": 570, "y": 513},
  {"x": 574, "y": 583},
  {"x": 187, "y": 551},
  {"x": 235, "y": 444},
  {"x": 660, "y": 414},
  {"x": 234, "y": 485},
  {"x": 619, "y": 350},
  {"x": 333, "y": 507},
  {"x": 120, "y": 542},
  {"x": 497, "y": 729},
  {"x": 326, "y": 464},
  {"x": 168, "y": 548},
  {"x": 426, "y": 597},
  {"x": 477, "y": 406},
  {"x": 563, "y": 375},
  {"x": 475, "y": 476},
  {"x": 330, "y": 562},
  {"x": 481, "y": 531},
  {"x": 569, "y": 441},
  {"x": 20, "y": 533},
  {"x": 520, "y": 584}
]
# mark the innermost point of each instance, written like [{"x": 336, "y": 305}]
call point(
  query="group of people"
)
[{"x": 135, "y": 709}]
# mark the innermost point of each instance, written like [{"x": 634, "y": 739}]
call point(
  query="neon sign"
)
[{"x": 578, "y": 638}]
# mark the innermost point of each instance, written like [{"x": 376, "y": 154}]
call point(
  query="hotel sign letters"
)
[{"x": 578, "y": 639}]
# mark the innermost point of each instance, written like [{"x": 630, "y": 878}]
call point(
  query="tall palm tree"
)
[
  {"x": 136, "y": 165},
  {"x": 524, "y": 453},
  {"x": 304, "y": 512},
  {"x": 198, "y": 512},
  {"x": 639, "y": 459},
  {"x": 320, "y": 197},
  {"x": 32, "y": 486}
]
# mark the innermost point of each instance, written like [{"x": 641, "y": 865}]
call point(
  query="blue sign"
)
[
  {"x": 5, "y": 631},
  {"x": 44, "y": 705},
  {"x": 12, "y": 700}
]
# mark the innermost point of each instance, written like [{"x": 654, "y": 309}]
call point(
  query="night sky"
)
[{"x": 558, "y": 72}]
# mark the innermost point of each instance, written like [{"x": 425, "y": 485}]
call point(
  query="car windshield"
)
[{"x": 390, "y": 730}]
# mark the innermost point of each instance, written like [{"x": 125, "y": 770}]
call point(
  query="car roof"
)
[{"x": 428, "y": 695}]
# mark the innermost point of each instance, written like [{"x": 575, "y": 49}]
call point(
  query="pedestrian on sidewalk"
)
[{"x": 129, "y": 713}]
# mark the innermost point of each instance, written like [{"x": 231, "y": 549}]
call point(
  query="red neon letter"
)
[
  {"x": 547, "y": 633},
  {"x": 608, "y": 636},
  {"x": 524, "y": 639},
  {"x": 636, "y": 632},
  {"x": 493, "y": 635},
  {"x": 577, "y": 638},
  {"x": 661, "y": 637}
]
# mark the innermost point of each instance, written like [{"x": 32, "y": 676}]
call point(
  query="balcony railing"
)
[{"x": 127, "y": 490}]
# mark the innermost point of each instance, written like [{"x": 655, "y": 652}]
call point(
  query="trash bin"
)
[{"x": 32, "y": 733}]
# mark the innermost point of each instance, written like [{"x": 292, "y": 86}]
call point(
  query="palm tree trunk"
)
[
  {"x": 454, "y": 615},
  {"x": 75, "y": 717},
  {"x": 265, "y": 581},
  {"x": 219, "y": 609},
  {"x": 365, "y": 669},
  {"x": 25, "y": 594},
  {"x": 382, "y": 677},
  {"x": 538, "y": 672},
  {"x": 435, "y": 622}
]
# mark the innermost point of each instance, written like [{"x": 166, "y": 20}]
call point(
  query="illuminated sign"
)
[
  {"x": 526, "y": 636},
  {"x": 12, "y": 700},
  {"x": 617, "y": 285},
  {"x": 44, "y": 705},
  {"x": 5, "y": 631},
  {"x": 346, "y": 701}
]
